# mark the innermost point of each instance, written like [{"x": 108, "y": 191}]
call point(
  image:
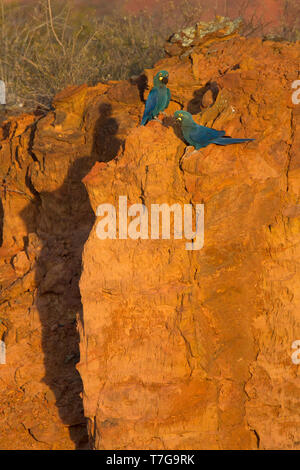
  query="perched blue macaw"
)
[
  {"x": 159, "y": 97},
  {"x": 201, "y": 136}
]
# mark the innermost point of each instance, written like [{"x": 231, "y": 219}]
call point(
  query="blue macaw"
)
[
  {"x": 201, "y": 136},
  {"x": 159, "y": 97}
]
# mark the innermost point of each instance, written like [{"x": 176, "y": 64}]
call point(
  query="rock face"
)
[{"x": 178, "y": 349}]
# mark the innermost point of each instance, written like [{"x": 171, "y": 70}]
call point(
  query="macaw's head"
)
[
  {"x": 161, "y": 77},
  {"x": 183, "y": 117}
]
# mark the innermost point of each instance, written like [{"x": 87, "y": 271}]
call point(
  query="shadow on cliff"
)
[
  {"x": 63, "y": 223},
  {"x": 105, "y": 144},
  {"x": 196, "y": 104},
  {"x": 142, "y": 85}
]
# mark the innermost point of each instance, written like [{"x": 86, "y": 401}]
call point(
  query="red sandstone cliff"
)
[{"x": 178, "y": 349}]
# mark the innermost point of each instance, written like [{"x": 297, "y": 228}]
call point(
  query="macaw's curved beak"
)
[
  {"x": 178, "y": 119},
  {"x": 165, "y": 80}
]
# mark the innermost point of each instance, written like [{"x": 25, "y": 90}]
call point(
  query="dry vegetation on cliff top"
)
[{"x": 47, "y": 45}]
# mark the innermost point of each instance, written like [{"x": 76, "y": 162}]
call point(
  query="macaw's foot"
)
[
  {"x": 156, "y": 119},
  {"x": 196, "y": 151},
  {"x": 188, "y": 153},
  {"x": 185, "y": 155}
]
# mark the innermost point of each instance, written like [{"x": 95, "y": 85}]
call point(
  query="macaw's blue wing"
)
[
  {"x": 168, "y": 99},
  {"x": 150, "y": 106},
  {"x": 201, "y": 136}
]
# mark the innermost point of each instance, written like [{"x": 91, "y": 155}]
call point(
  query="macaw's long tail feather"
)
[
  {"x": 229, "y": 141},
  {"x": 144, "y": 120}
]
